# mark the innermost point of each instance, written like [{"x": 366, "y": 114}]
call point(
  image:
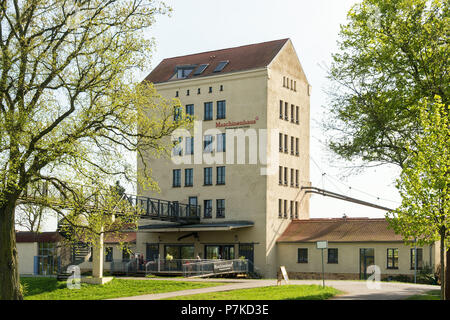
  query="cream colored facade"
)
[
  {"x": 249, "y": 196},
  {"x": 349, "y": 260}
]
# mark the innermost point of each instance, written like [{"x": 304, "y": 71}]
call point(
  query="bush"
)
[{"x": 427, "y": 276}]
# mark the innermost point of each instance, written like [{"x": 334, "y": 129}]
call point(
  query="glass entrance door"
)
[
  {"x": 219, "y": 252},
  {"x": 366, "y": 258}
]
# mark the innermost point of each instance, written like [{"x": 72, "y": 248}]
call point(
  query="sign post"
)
[{"x": 322, "y": 245}]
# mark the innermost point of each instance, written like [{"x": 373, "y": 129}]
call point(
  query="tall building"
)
[{"x": 243, "y": 167}]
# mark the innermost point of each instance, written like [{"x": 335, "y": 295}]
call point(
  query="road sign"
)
[{"x": 322, "y": 244}]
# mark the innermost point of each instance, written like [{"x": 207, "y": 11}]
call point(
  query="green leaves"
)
[{"x": 391, "y": 55}]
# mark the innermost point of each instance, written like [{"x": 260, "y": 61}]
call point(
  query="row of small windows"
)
[
  {"x": 283, "y": 209},
  {"x": 289, "y": 83},
  {"x": 391, "y": 257},
  {"x": 189, "y": 177},
  {"x": 283, "y": 144},
  {"x": 109, "y": 254},
  {"x": 199, "y": 91},
  {"x": 208, "y": 111},
  {"x": 208, "y": 145},
  {"x": 283, "y": 172},
  {"x": 284, "y": 112}
]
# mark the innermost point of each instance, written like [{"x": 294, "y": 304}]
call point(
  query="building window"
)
[
  {"x": 292, "y": 145},
  {"x": 296, "y": 146},
  {"x": 221, "y": 87},
  {"x": 332, "y": 255},
  {"x": 286, "y": 143},
  {"x": 287, "y": 83},
  {"x": 280, "y": 208},
  {"x": 190, "y": 109},
  {"x": 285, "y": 209},
  {"x": 208, "y": 111},
  {"x": 210, "y": 90},
  {"x": 419, "y": 258},
  {"x": 296, "y": 114},
  {"x": 285, "y": 176},
  {"x": 291, "y": 211},
  {"x": 177, "y": 150},
  {"x": 221, "y": 142},
  {"x": 296, "y": 209},
  {"x": 221, "y": 109},
  {"x": 296, "y": 178},
  {"x": 176, "y": 178},
  {"x": 198, "y": 91},
  {"x": 302, "y": 256},
  {"x": 392, "y": 258},
  {"x": 292, "y": 177},
  {"x": 220, "y": 175},
  {"x": 284, "y": 81},
  {"x": 176, "y": 94},
  {"x": 280, "y": 175},
  {"x": 109, "y": 254},
  {"x": 207, "y": 204},
  {"x": 286, "y": 106},
  {"x": 208, "y": 144},
  {"x": 188, "y": 177},
  {"x": 187, "y": 92},
  {"x": 189, "y": 145},
  {"x": 281, "y": 109},
  {"x": 177, "y": 114},
  {"x": 207, "y": 176},
  {"x": 292, "y": 113},
  {"x": 295, "y": 85},
  {"x": 220, "y": 205},
  {"x": 281, "y": 142}
]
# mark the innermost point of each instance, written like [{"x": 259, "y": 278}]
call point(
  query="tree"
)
[
  {"x": 424, "y": 184},
  {"x": 70, "y": 104},
  {"x": 391, "y": 55}
]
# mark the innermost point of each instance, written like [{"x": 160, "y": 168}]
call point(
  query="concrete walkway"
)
[{"x": 352, "y": 290}]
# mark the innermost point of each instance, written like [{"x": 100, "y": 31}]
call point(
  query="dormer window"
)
[{"x": 184, "y": 71}]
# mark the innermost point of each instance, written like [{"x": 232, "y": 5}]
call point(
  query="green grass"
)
[
  {"x": 286, "y": 292},
  {"x": 51, "y": 289},
  {"x": 429, "y": 295}
]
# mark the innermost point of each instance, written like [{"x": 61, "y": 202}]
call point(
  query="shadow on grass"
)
[{"x": 32, "y": 286}]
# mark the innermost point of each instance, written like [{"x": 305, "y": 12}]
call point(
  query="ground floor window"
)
[
  {"x": 419, "y": 258},
  {"x": 219, "y": 252},
  {"x": 332, "y": 255},
  {"x": 392, "y": 258},
  {"x": 109, "y": 254},
  {"x": 179, "y": 251},
  {"x": 366, "y": 259},
  {"x": 302, "y": 255}
]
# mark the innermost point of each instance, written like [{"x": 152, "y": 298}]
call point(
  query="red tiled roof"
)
[
  {"x": 27, "y": 236},
  {"x": 240, "y": 58},
  {"x": 339, "y": 230}
]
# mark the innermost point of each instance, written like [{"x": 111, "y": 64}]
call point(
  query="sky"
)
[{"x": 313, "y": 26}]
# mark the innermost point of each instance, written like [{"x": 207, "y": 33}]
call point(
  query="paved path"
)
[{"x": 352, "y": 290}]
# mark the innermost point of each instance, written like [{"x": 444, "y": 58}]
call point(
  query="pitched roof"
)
[
  {"x": 27, "y": 236},
  {"x": 339, "y": 230},
  {"x": 241, "y": 58}
]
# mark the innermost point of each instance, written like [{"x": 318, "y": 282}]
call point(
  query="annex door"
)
[
  {"x": 247, "y": 251},
  {"x": 366, "y": 258}
]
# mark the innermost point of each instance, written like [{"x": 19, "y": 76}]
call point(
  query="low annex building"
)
[{"x": 353, "y": 245}]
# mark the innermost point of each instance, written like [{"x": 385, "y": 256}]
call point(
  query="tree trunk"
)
[
  {"x": 447, "y": 277},
  {"x": 442, "y": 249},
  {"x": 9, "y": 271}
]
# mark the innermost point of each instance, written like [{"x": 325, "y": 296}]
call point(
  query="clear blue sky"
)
[{"x": 313, "y": 26}]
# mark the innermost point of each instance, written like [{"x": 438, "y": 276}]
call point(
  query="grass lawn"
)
[
  {"x": 429, "y": 295},
  {"x": 286, "y": 292},
  {"x": 51, "y": 289}
]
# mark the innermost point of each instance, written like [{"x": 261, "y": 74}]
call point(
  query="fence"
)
[{"x": 124, "y": 267}]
